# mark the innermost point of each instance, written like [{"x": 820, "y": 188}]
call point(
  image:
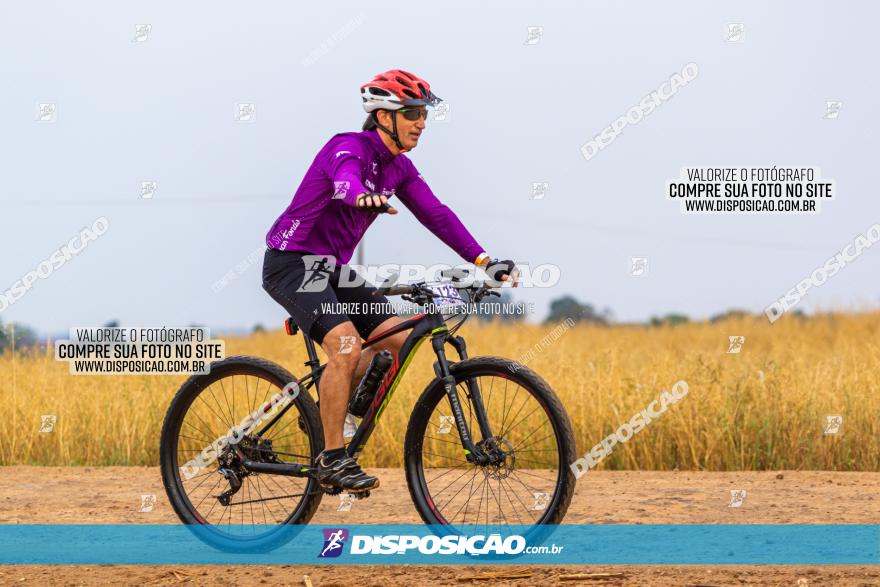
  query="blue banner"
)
[{"x": 649, "y": 544}]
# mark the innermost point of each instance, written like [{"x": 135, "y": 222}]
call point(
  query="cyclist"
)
[{"x": 348, "y": 183}]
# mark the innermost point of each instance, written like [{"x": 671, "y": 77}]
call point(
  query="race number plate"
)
[{"x": 447, "y": 297}]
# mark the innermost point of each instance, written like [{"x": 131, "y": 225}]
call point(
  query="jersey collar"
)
[{"x": 379, "y": 145}]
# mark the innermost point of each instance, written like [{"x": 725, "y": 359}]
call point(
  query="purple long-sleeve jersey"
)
[{"x": 323, "y": 218}]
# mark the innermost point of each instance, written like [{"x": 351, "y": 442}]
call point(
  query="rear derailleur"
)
[{"x": 232, "y": 469}]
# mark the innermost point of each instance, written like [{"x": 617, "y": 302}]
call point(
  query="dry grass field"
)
[{"x": 763, "y": 408}]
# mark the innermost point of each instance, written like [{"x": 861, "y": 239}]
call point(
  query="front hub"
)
[{"x": 500, "y": 457}]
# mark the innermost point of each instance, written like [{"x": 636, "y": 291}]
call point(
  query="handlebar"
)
[
  {"x": 480, "y": 288},
  {"x": 394, "y": 290},
  {"x": 456, "y": 275}
]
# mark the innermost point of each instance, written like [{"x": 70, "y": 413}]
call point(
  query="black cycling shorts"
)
[{"x": 314, "y": 297}]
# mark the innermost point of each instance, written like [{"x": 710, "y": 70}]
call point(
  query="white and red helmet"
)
[{"x": 396, "y": 89}]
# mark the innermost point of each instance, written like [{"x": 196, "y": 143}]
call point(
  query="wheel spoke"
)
[
  {"x": 262, "y": 498},
  {"x": 497, "y": 492}
]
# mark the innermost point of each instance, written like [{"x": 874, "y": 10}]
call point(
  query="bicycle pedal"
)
[{"x": 331, "y": 490}]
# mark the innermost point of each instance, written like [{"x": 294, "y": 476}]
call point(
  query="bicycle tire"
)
[
  {"x": 539, "y": 389},
  {"x": 171, "y": 478}
]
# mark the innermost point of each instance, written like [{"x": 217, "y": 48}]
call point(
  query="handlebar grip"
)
[{"x": 497, "y": 269}]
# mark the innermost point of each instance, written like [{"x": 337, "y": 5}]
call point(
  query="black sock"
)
[{"x": 333, "y": 455}]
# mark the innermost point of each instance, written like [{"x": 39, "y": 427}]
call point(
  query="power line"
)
[
  {"x": 588, "y": 226},
  {"x": 147, "y": 201},
  {"x": 532, "y": 220}
]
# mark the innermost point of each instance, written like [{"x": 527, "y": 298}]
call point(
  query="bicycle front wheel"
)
[{"x": 532, "y": 485}]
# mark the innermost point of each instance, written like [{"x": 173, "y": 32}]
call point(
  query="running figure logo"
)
[
  {"x": 47, "y": 423},
  {"x": 737, "y": 497},
  {"x": 832, "y": 424},
  {"x": 832, "y": 109},
  {"x": 638, "y": 266},
  {"x": 334, "y": 539},
  {"x": 736, "y": 343},
  {"x": 340, "y": 189},
  {"x": 318, "y": 268}
]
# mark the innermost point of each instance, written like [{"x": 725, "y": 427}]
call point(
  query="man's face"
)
[{"x": 408, "y": 131}]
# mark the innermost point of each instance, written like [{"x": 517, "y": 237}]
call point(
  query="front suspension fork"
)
[{"x": 475, "y": 453}]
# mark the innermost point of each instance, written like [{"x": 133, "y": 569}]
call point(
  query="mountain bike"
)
[{"x": 488, "y": 441}]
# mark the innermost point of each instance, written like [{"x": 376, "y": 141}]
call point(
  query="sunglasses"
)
[{"x": 414, "y": 113}]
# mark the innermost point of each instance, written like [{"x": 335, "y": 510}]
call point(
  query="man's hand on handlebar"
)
[
  {"x": 375, "y": 203},
  {"x": 503, "y": 271}
]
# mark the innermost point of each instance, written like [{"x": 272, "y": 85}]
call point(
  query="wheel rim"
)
[
  {"x": 262, "y": 499},
  {"x": 521, "y": 489}
]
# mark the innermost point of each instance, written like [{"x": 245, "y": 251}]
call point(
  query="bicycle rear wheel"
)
[
  {"x": 533, "y": 485},
  {"x": 204, "y": 410}
]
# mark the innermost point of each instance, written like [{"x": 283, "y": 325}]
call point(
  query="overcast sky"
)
[{"x": 162, "y": 108}]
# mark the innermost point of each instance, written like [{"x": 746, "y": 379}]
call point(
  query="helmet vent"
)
[{"x": 394, "y": 89}]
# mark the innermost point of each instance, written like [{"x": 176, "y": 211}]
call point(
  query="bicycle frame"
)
[{"x": 423, "y": 326}]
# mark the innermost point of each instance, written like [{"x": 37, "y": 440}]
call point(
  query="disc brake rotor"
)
[{"x": 503, "y": 459}]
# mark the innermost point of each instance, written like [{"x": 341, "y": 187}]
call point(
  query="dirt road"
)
[{"x": 114, "y": 495}]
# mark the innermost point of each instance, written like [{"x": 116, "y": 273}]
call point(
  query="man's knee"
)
[
  {"x": 343, "y": 346},
  {"x": 394, "y": 343}
]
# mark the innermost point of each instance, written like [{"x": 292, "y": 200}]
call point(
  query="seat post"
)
[
  {"x": 313, "y": 361},
  {"x": 291, "y": 328}
]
